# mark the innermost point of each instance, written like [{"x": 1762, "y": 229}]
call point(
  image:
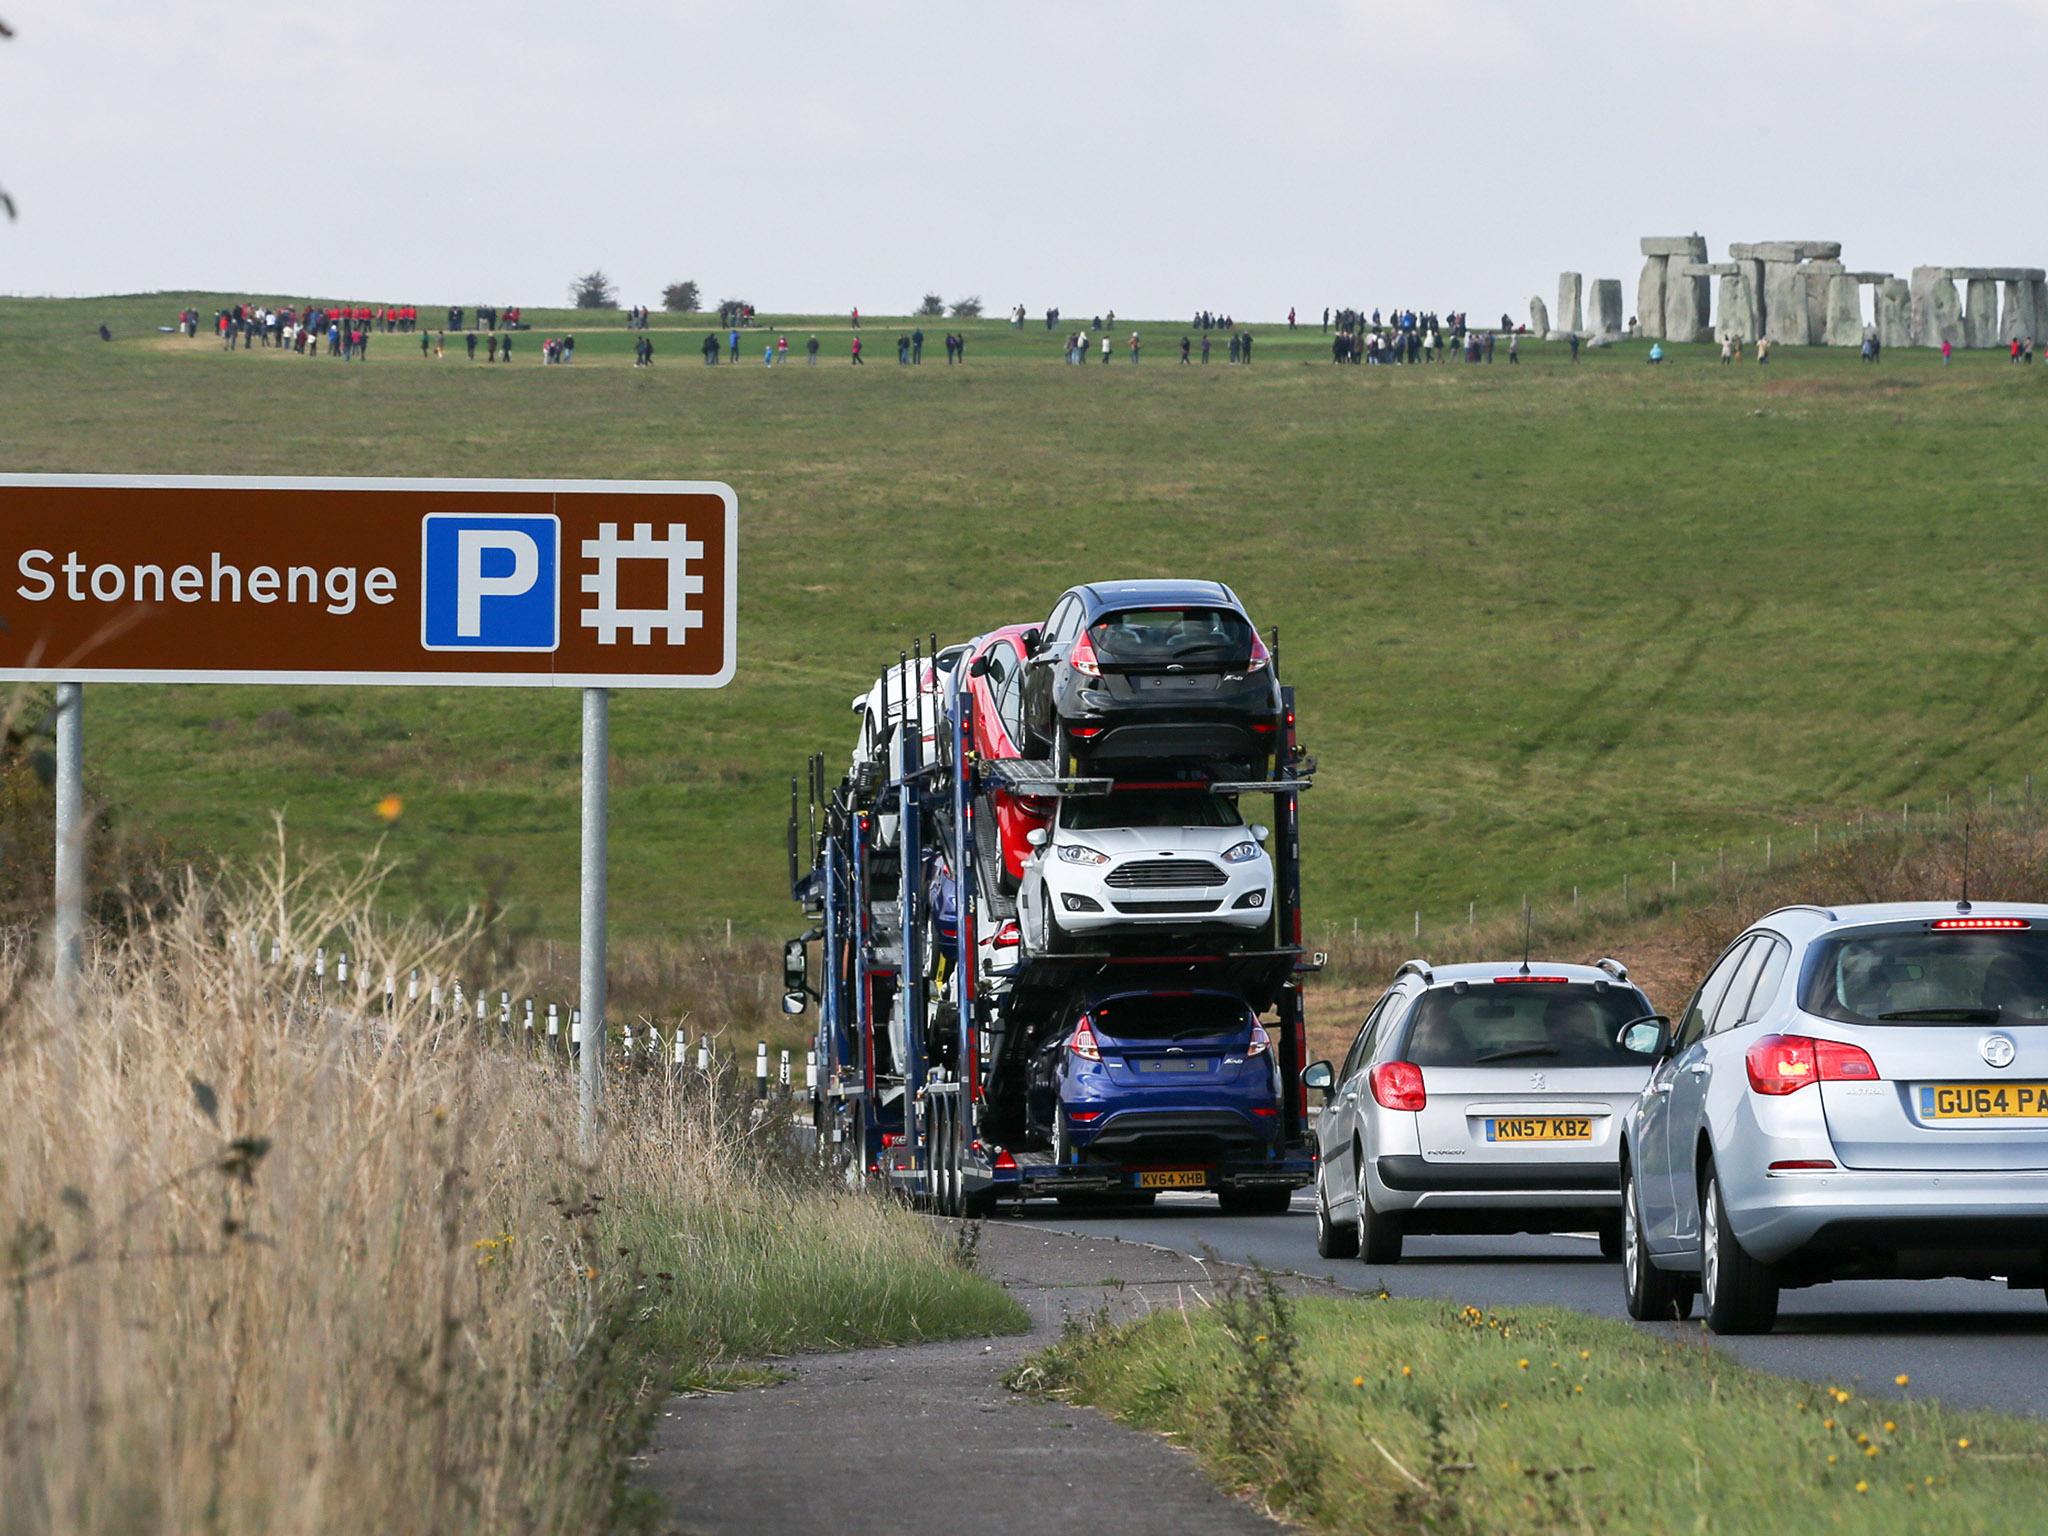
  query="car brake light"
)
[
  {"x": 1009, "y": 936},
  {"x": 1082, "y": 657},
  {"x": 1083, "y": 1043},
  {"x": 1547, "y": 981},
  {"x": 1261, "y": 658},
  {"x": 1977, "y": 924},
  {"x": 1261, "y": 1041},
  {"x": 1085, "y": 732},
  {"x": 1004, "y": 1160},
  {"x": 1398, "y": 1085},
  {"x": 1781, "y": 1064}
]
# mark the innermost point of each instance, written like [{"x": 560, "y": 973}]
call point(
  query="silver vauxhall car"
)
[
  {"x": 1859, "y": 1091},
  {"x": 1478, "y": 1098}
]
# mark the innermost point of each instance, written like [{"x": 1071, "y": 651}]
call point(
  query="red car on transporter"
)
[{"x": 994, "y": 675}]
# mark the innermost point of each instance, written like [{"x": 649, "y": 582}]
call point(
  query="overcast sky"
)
[{"x": 1144, "y": 155}]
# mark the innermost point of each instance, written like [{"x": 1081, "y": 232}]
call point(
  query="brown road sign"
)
[{"x": 569, "y": 583}]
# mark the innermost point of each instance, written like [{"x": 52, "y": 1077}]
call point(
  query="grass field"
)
[
  {"x": 1550, "y": 623},
  {"x": 1394, "y": 1416}
]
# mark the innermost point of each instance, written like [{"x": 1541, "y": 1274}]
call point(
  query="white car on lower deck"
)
[{"x": 1166, "y": 860}]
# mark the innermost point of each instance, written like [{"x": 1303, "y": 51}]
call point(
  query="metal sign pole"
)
[
  {"x": 69, "y": 937},
  {"x": 596, "y": 776}
]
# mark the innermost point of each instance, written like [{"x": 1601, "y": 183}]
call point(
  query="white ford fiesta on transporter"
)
[
  {"x": 1144, "y": 859},
  {"x": 1855, "y": 1092}
]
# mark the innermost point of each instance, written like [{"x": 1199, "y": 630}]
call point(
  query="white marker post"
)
[
  {"x": 68, "y": 938},
  {"x": 596, "y": 787}
]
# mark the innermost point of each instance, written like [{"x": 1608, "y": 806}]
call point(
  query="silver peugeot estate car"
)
[
  {"x": 1478, "y": 1098},
  {"x": 1852, "y": 1092}
]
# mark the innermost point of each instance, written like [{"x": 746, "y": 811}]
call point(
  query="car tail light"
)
[
  {"x": 1803, "y": 1165},
  {"x": 1781, "y": 1064},
  {"x": 1083, "y": 1043},
  {"x": 1082, "y": 657},
  {"x": 1264, "y": 1112},
  {"x": 1526, "y": 981},
  {"x": 1004, "y": 1160},
  {"x": 1398, "y": 1085},
  {"x": 1009, "y": 936},
  {"x": 1261, "y": 657},
  {"x": 1977, "y": 924},
  {"x": 1261, "y": 1041},
  {"x": 1085, "y": 732},
  {"x": 1085, "y": 1116}
]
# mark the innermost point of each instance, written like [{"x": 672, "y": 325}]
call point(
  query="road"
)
[{"x": 1966, "y": 1342}]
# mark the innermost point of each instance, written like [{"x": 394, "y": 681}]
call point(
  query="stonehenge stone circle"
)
[
  {"x": 1947, "y": 316},
  {"x": 1650, "y": 297},
  {"x": 1539, "y": 317},
  {"x": 1688, "y": 295},
  {"x": 2019, "y": 310},
  {"x": 1734, "y": 312},
  {"x": 1570, "y": 313},
  {"x": 1785, "y": 304},
  {"x": 1605, "y": 316},
  {"x": 1818, "y": 275}
]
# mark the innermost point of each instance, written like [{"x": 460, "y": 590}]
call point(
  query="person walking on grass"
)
[
  {"x": 1233, "y": 346},
  {"x": 1205, "y": 349},
  {"x": 1185, "y": 347},
  {"x": 491, "y": 348},
  {"x": 1515, "y": 347},
  {"x": 1763, "y": 350},
  {"x": 505, "y": 349},
  {"x": 811, "y": 351},
  {"x": 1134, "y": 349},
  {"x": 856, "y": 350},
  {"x": 426, "y": 344},
  {"x": 1947, "y": 347},
  {"x": 782, "y": 350},
  {"x": 1245, "y": 346},
  {"x": 470, "y": 339},
  {"x": 1727, "y": 348},
  {"x": 917, "y": 347}
]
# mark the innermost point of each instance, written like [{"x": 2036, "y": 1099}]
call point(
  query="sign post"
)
[
  {"x": 597, "y": 753},
  {"x": 585, "y": 584}
]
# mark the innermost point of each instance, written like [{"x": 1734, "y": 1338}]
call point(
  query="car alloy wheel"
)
[
  {"x": 1653, "y": 1296},
  {"x": 1741, "y": 1295},
  {"x": 1379, "y": 1234},
  {"x": 1332, "y": 1241}
]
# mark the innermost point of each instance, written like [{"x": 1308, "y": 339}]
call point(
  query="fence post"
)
[
  {"x": 554, "y": 1025},
  {"x": 811, "y": 1072},
  {"x": 1767, "y": 853},
  {"x": 1674, "y": 876},
  {"x": 784, "y": 1079},
  {"x": 341, "y": 970},
  {"x": 575, "y": 1034},
  {"x": 704, "y": 1055},
  {"x": 679, "y": 1049},
  {"x": 761, "y": 1069},
  {"x": 1418, "y": 925}
]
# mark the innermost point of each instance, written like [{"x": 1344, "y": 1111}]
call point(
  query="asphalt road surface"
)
[{"x": 1967, "y": 1342}]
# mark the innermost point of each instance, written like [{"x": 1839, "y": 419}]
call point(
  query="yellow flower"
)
[
  {"x": 1891, "y": 1426},
  {"x": 1522, "y": 1364},
  {"x": 391, "y": 808},
  {"x": 1963, "y": 1444},
  {"x": 1862, "y": 1486},
  {"x": 590, "y": 1271},
  {"x": 1902, "y": 1380},
  {"x": 1407, "y": 1370},
  {"x": 1861, "y": 1438},
  {"x": 1260, "y": 1339},
  {"x": 1577, "y": 1388},
  {"x": 1870, "y": 1450},
  {"x": 1585, "y": 1354},
  {"x": 1827, "y": 1423},
  {"x": 1831, "y": 1458},
  {"x": 1358, "y": 1381}
]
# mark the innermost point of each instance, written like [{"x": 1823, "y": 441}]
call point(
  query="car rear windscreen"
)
[
  {"x": 1163, "y": 1016},
  {"x": 1542, "y": 1024},
  {"x": 1149, "y": 808},
  {"x": 1163, "y": 637},
  {"x": 1921, "y": 976}
]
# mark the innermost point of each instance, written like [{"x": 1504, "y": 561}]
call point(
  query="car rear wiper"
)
[
  {"x": 1512, "y": 1052},
  {"x": 1957, "y": 1015}
]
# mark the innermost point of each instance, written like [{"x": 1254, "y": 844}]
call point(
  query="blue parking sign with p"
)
[{"x": 490, "y": 583}]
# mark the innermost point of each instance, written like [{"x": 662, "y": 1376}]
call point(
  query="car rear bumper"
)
[
  {"x": 1781, "y": 1216},
  {"x": 1175, "y": 1132},
  {"x": 1414, "y": 1184}
]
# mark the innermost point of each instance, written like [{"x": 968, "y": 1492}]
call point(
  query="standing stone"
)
[
  {"x": 1785, "y": 304},
  {"x": 1946, "y": 316},
  {"x": 2017, "y": 315},
  {"x": 1845, "y": 311},
  {"x": 1753, "y": 291},
  {"x": 1895, "y": 312},
  {"x": 1570, "y": 312},
  {"x": 1732, "y": 318},
  {"x": 1818, "y": 275},
  {"x": 1650, "y": 296},
  {"x": 1980, "y": 313},
  {"x": 1922, "y": 317},
  {"x": 1688, "y": 295},
  {"x": 1605, "y": 317},
  {"x": 1539, "y": 318}
]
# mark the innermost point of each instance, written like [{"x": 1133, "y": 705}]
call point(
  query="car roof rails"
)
[
  {"x": 1612, "y": 967},
  {"x": 1416, "y": 968},
  {"x": 1806, "y": 906}
]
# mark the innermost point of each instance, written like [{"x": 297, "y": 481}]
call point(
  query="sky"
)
[{"x": 1147, "y": 156}]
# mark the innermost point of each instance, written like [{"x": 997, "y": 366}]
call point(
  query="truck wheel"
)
[
  {"x": 1653, "y": 1295},
  {"x": 1740, "y": 1294}
]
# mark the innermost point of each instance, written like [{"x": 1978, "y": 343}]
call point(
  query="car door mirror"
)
[
  {"x": 795, "y": 965},
  {"x": 1033, "y": 639},
  {"x": 1259, "y": 833},
  {"x": 1036, "y": 837},
  {"x": 792, "y": 1003},
  {"x": 1319, "y": 1076},
  {"x": 978, "y": 667},
  {"x": 1649, "y": 1036}
]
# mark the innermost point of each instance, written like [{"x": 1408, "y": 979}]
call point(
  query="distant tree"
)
[
  {"x": 593, "y": 290},
  {"x": 968, "y": 308},
  {"x": 679, "y": 298},
  {"x": 932, "y": 305}
]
